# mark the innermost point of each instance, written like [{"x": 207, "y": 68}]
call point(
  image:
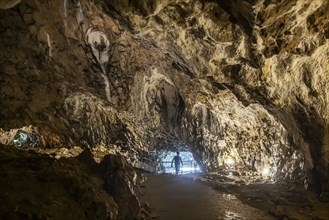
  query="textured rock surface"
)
[
  {"x": 75, "y": 188},
  {"x": 6, "y": 4},
  {"x": 276, "y": 50},
  {"x": 245, "y": 81}
]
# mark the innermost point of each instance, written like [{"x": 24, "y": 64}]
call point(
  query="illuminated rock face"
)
[
  {"x": 246, "y": 82},
  {"x": 6, "y": 4}
]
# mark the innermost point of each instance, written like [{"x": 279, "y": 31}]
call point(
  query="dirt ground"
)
[
  {"x": 180, "y": 197},
  {"x": 207, "y": 197}
]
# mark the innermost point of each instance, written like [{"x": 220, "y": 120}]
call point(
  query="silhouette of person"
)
[{"x": 178, "y": 160}]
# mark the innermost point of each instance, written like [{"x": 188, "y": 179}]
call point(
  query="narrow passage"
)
[{"x": 178, "y": 197}]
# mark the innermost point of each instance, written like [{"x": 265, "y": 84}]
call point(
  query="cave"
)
[
  {"x": 97, "y": 96},
  {"x": 165, "y": 163}
]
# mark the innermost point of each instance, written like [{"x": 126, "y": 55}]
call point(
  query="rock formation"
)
[
  {"x": 69, "y": 188},
  {"x": 244, "y": 81}
]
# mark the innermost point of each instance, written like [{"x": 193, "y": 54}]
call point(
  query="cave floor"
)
[{"x": 191, "y": 197}]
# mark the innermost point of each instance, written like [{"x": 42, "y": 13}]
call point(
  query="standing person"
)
[{"x": 178, "y": 161}]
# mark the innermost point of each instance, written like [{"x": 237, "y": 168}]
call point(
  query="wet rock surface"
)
[
  {"x": 173, "y": 198},
  {"x": 277, "y": 51},
  {"x": 286, "y": 200},
  {"x": 215, "y": 197},
  {"x": 280, "y": 201},
  {"x": 94, "y": 81},
  {"x": 237, "y": 84}
]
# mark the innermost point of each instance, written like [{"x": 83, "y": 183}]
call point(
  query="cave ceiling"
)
[{"x": 246, "y": 80}]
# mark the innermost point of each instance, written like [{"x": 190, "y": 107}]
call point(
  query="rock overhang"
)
[{"x": 145, "y": 100}]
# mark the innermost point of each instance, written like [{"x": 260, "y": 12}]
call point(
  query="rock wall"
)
[
  {"x": 243, "y": 81},
  {"x": 37, "y": 186},
  {"x": 276, "y": 50}
]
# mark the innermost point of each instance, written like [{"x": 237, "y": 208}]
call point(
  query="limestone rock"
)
[
  {"x": 276, "y": 50},
  {"x": 6, "y": 4},
  {"x": 222, "y": 79},
  {"x": 116, "y": 172},
  {"x": 74, "y": 187},
  {"x": 71, "y": 189}
]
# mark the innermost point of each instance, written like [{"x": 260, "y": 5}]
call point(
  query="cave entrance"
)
[{"x": 189, "y": 164}]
